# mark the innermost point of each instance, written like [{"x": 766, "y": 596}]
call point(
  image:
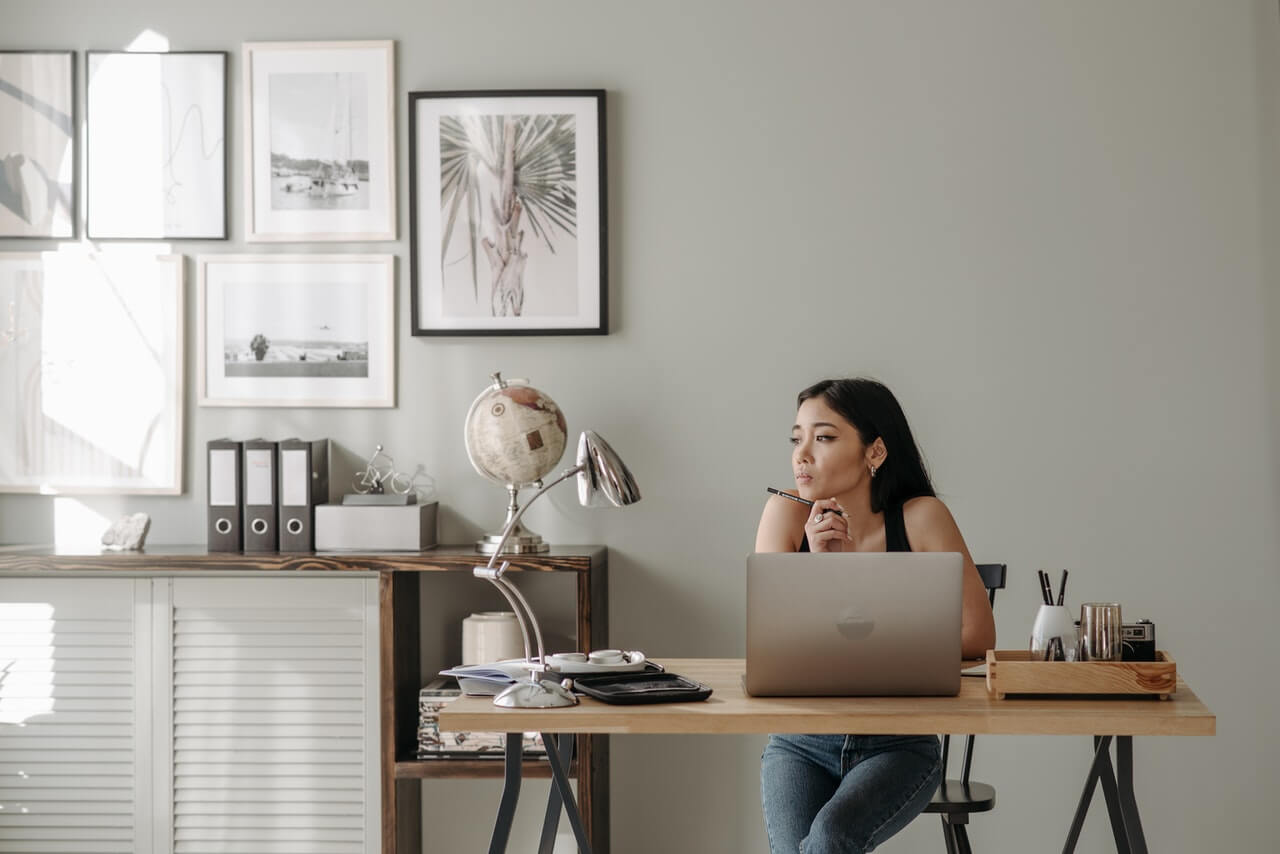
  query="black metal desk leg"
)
[
  {"x": 1128, "y": 803},
  {"x": 562, "y": 781},
  {"x": 551, "y": 822},
  {"x": 1108, "y": 779},
  {"x": 510, "y": 792},
  {"x": 1101, "y": 757}
]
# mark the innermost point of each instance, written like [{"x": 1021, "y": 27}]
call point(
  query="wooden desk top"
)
[{"x": 729, "y": 710}]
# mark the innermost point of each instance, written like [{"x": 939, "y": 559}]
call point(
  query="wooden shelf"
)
[
  {"x": 473, "y": 769},
  {"x": 169, "y": 558}
]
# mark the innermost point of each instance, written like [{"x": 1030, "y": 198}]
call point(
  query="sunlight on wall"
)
[
  {"x": 133, "y": 92},
  {"x": 26, "y": 661},
  {"x": 74, "y": 524},
  {"x": 92, "y": 369},
  {"x": 149, "y": 40}
]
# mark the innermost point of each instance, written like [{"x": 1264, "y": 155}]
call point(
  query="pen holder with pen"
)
[{"x": 1054, "y": 635}]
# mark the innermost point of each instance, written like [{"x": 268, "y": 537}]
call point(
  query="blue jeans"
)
[{"x": 844, "y": 794}]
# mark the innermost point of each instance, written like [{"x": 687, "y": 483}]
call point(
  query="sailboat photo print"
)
[{"x": 321, "y": 131}]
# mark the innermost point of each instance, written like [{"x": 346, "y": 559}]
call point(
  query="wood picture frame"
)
[{"x": 319, "y": 121}]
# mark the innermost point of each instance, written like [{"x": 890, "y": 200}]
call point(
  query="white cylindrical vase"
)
[{"x": 489, "y": 636}]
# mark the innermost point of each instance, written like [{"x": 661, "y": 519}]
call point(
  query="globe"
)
[{"x": 514, "y": 433}]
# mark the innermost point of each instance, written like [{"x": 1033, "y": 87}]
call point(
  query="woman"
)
[{"x": 854, "y": 453}]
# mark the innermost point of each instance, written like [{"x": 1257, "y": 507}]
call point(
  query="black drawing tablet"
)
[{"x": 644, "y": 687}]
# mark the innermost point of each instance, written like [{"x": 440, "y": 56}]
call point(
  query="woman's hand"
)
[{"x": 827, "y": 526}]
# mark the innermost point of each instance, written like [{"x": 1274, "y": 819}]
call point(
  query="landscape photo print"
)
[{"x": 303, "y": 330}]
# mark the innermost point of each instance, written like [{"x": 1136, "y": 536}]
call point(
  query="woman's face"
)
[{"x": 829, "y": 457}]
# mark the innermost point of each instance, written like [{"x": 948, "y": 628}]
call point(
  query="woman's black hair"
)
[{"x": 876, "y": 414}]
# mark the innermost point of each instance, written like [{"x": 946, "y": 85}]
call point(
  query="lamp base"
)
[
  {"x": 543, "y": 694},
  {"x": 525, "y": 544},
  {"x": 519, "y": 539}
]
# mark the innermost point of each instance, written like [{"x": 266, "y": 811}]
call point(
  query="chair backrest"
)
[
  {"x": 993, "y": 575},
  {"x": 993, "y": 578}
]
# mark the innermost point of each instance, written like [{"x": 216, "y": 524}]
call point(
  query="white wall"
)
[{"x": 1050, "y": 227}]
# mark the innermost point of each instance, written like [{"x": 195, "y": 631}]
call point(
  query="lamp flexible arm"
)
[
  {"x": 512, "y": 593},
  {"x": 503, "y": 587},
  {"x": 515, "y": 520},
  {"x": 537, "y": 632}
]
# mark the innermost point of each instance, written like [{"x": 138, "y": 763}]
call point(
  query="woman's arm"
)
[
  {"x": 780, "y": 525},
  {"x": 931, "y": 528}
]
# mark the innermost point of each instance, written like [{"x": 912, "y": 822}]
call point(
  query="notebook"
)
[{"x": 853, "y": 623}]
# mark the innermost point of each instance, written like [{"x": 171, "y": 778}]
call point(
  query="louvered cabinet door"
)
[
  {"x": 275, "y": 716},
  {"x": 74, "y": 720}
]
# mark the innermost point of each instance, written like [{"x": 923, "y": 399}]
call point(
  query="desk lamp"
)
[{"x": 603, "y": 481}]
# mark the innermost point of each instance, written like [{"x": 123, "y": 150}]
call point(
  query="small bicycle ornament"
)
[{"x": 380, "y": 474}]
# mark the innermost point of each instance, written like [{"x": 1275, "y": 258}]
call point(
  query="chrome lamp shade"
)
[
  {"x": 603, "y": 481},
  {"x": 603, "y": 478}
]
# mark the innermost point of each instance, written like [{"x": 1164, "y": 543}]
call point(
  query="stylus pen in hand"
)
[{"x": 796, "y": 498}]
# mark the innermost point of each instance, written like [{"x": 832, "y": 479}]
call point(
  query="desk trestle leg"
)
[
  {"x": 561, "y": 781},
  {"x": 1128, "y": 803},
  {"x": 552, "y": 820},
  {"x": 1117, "y": 789},
  {"x": 510, "y": 793}
]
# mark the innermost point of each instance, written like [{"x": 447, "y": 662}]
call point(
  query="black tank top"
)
[{"x": 895, "y": 532}]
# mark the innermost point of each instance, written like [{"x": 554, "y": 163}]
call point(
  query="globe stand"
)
[{"x": 520, "y": 540}]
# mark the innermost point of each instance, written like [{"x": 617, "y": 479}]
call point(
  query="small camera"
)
[{"x": 1139, "y": 641}]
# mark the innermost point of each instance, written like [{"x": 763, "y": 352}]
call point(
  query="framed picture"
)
[
  {"x": 91, "y": 366},
  {"x": 296, "y": 330},
  {"x": 507, "y": 213},
  {"x": 156, "y": 139},
  {"x": 320, "y": 141},
  {"x": 37, "y": 144}
]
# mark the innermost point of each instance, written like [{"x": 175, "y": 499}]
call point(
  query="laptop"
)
[{"x": 848, "y": 624}]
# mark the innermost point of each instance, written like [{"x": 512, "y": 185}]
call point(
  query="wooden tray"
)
[{"x": 1012, "y": 671}]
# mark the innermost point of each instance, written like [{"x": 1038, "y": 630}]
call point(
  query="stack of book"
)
[{"x": 433, "y": 743}]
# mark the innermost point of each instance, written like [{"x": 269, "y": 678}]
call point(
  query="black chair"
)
[{"x": 956, "y": 799}]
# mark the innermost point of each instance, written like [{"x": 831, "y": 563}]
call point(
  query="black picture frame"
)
[
  {"x": 38, "y": 143},
  {"x": 181, "y": 187},
  {"x": 457, "y": 162}
]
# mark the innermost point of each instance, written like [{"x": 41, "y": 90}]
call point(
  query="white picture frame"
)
[
  {"x": 38, "y": 119},
  {"x": 319, "y": 122},
  {"x": 91, "y": 363},
  {"x": 327, "y": 324},
  {"x": 156, "y": 153}
]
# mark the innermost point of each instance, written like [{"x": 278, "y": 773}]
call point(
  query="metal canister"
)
[{"x": 1101, "y": 630}]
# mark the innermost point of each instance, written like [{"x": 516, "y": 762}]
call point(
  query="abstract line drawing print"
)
[
  {"x": 157, "y": 154},
  {"x": 205, "y": 145},
  {"x": 37, "y": 144}
]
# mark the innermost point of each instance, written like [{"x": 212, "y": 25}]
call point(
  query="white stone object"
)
[{"x": 129, "y": 532}]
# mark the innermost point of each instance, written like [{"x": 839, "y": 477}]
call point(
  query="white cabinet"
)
[
  {"x": 74, "y": 715},
  {"x": 183, "y": 715}
]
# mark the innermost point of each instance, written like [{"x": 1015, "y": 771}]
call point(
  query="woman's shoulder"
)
[
  {"x": 926, "y": 513},
  {"x": 781, "y": 525},
  {"x": 785, "y": 510}
]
